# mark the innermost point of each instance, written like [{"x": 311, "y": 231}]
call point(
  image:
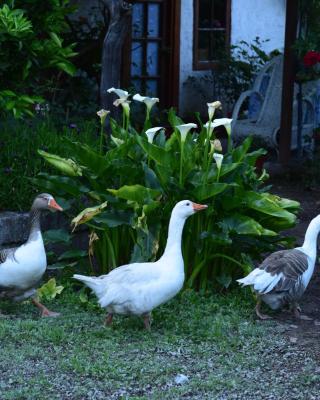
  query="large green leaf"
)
[
  {"x": 114, "y": 218},
  {"x": 137, "y": 193},
  {"x": 266, "y": 205},
  {"x": 204, "y": 192},
  {"x": 243, "y": 225},
  {"x": 156, "y": 153}
]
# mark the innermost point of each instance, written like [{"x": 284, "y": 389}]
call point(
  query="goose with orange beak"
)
[
  {"x": 21, "y": 268},
  {"x": 140, "y": 287}
]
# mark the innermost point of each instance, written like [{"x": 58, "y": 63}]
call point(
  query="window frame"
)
[{"x": 205, "y": 65}]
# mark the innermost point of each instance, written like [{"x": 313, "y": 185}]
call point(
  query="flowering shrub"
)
[
  {"x": 311, "y": 58},
  {"x": 126, "y": 192}
]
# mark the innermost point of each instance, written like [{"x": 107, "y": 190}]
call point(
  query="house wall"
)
[{"x": 249, "y": 19}]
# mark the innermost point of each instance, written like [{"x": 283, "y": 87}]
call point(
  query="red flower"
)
[{"x": 311, "y": 58}]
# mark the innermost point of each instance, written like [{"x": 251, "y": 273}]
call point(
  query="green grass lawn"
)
[{"x": 212, "y": 339}]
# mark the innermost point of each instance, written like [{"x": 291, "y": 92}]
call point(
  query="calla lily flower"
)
[
  {"x": 125, "y": 105},
  {"x": 151, "y": 133},
  {"x": 103, "y": 115},
  {"x": 122, "y": 94},
  {"x": 148, "y": 101},
  {"x": 226, "y": 122},
  {"x": 118, "y": 142},
  {"x": 87, "y": 214},
  {"x": 218, "y": 159},
  {"x": 212, "y": 107},
  {"x": 184, "y": 129},
  {"x": 66, "y": 166},
  {"x": 215, "y": 145}
]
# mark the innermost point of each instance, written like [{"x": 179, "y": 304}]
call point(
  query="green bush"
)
[
  {"x": 32, "y": 30},
  {"x": 138, "y": 179}
]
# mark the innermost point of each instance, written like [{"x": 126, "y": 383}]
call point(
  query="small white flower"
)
[
  {"x": 125, "y": 105},
  {"x": 103, "y": 115},
  {"x": 148, "y": 101},
  {"x": 212, "y": 108},
  {"x": 122, "y": 94},
  {"x": 226, "y": 122},
  {"x": 151, "y": 133},
  {"x": 218, "y": 159},
  {"x": 184, "y": 129}
]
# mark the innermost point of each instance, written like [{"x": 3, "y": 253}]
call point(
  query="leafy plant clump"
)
[
  {"x": 19, "y": 160},
  {"x": 34, "y": 31},
  {"x": 137, "y": 177}
]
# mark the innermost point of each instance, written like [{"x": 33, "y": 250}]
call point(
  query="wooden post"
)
[
  {"x": 119, "y": 22},
  {"x": 288, "y": 81}
]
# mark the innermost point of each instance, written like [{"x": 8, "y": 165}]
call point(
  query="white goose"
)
[
  {"x": 283, "y": 276},
  {"x": 21, "y": 268},
  {"x": 140, "y": 287}
]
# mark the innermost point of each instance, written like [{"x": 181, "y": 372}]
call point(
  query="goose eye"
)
[{"x": 188, "y": 204}]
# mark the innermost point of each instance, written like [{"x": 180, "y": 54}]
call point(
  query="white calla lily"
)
[
  {"x": 122, "y": 94},
  {"x": 226, "y": 122},
  {"x": 125, "y": 105},
  {"x": 151, "y": 133},
  {"x": 212, "y": 107},
  {"x": 148, "y": 101},
  {"x": 218, "y": 159},
  {"x": 184, "y": 129}
]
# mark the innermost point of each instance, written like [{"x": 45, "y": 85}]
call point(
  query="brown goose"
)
[
  {"x": 283, "y": 276},
  {"x": 22, "y": 268}
]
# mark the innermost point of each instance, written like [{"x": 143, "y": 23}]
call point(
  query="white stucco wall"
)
[{"x": 249, "y": 19}]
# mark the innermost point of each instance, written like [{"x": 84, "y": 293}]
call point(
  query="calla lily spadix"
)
[
  {"x": 122, "y": 94},
  {"x": 148, "y": 101},
  {"x": 184, "y": 129},
  {"x": 151, "y": 133},
  {"x": 212, "y": 107},
  {"x": 125, "y": 105},
  {"x": 218, "y": 159}
]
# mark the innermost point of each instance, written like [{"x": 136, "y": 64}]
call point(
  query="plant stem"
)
[
  {"x": 181, "y": 162},
  {"x": 101, "y": 139}
]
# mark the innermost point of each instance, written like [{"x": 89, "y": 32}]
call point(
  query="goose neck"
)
[
  {"x": 173, "y": 246},
  {"x": 310, "y": 240},
  {"x": 34, "y": 223}
]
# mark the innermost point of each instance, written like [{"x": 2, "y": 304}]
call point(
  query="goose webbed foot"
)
[
  {"x": 297, "y": 313},
  {"x": 147, "y": 321},
  {"x": 259, "y": 313},
  {"x": 108, "y": 320},
  {"x": 44, "y": 311}
]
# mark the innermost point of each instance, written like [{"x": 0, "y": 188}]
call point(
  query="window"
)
[
  {"x": 211, "y": 31},
  {"x": 145, "y": 47}
]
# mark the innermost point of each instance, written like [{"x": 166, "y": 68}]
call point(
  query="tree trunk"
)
[{"x": 119, "y": 20}]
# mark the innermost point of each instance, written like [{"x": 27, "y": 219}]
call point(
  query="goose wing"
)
[
  {"x": 281, "y": 271},
  {"x": 287, "y": 267},
  {"x": 6, "y": 254}
]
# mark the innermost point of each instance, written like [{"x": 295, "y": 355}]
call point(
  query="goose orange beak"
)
[
  {"x": 54, "y": 205},
  {"x": 199, "y": 207}
]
